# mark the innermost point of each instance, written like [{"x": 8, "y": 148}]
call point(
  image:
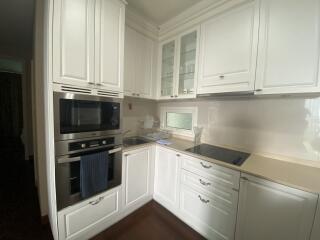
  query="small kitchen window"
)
[{"x": 179, "y": 120}]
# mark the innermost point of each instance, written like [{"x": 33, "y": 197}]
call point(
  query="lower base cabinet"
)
[
  {"x": 137, "y": 176},
  {"x": 88, "y": 218},
  {"x": 268, "y": 210},
  {"x": 316, "y": 226},
  {"x": 207, "y": 215}
]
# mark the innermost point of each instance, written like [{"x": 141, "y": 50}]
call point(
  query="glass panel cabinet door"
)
[
  {"x": 188, "y": 50},
  {"x": 167, "y": 69}
]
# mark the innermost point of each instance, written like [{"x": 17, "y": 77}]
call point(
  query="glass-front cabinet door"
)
[
  {"x": 167, "y": 69},
  {"x": 187, "y": 63},
  {"x": 179, "y": 59}
]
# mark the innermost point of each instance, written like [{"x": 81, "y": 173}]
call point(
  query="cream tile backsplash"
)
[
  {"x": 132, "y": 117},
  {"x": 274, "y": 126},
  {"x": 285, "y": 127}
]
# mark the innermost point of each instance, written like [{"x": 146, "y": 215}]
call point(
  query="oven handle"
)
[{"x": 76, "y": 159}]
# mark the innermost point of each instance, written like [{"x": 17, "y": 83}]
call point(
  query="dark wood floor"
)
[
  {"x": 151, "y": 222},
  {"x": 19, "y": 208}
]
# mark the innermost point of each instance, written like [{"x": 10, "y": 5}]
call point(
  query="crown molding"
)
[
  {"x": 195, "y": 15},
  {"x": 141, "y": 24}
]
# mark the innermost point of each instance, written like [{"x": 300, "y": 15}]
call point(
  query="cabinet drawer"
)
[
  {"x": 78, "y": 220},
  {"x": 217, "y": 174},
  {"x": 225, "y": 196},
  {"x": 207, "y": 216}
]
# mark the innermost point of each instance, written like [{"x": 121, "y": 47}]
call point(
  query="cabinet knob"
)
[
  {"x": 258, "y": 90},
  {"x": 133, "y": 94},
  {"x": 138, "y": 94},
  {"x": 178, "y": 155},
  {"x": 171, "y": 96},
  {"x": 175, "y": 96},
  {"x": 221, "y": 76},
  {"x": 91, "y": 83},
  {"x": 98, "y": 84}
]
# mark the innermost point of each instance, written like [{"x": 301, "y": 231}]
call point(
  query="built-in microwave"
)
[{"x": 79, "y": 116}]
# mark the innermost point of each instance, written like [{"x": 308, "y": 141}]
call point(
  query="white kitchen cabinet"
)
[
  {"x": 207, "y": 214},
  {"x": 269, "y": 210},
  {"x": 178, "y": 64},
  {"x": 88, "y": 218},
  {"x": 138, "y": 174},
  {"x": 289, "y": 47},
  {"x": 229, "y": 42},
  {"x": 109, "y": 44},
  {"x": 316, "y": 226},
  {"x": 88, "y": 42},
  {"x": 208, "y": 207},
  {"x": 138, "y": 70},
  {"x": 166, "y": 180},
  {"x": 73, "y": 42}
]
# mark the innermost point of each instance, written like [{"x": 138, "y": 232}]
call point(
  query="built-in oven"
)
[
  {"x": 78, "y": 159},
  {"x": 79, "y": 116}
]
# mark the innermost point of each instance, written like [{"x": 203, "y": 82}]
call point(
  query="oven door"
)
[
  {"x": 80, "y": 116},
  {"x": 68, "y": 182}
]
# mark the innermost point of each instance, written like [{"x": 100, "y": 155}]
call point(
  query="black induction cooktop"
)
[{"x": 222, "y": 154}]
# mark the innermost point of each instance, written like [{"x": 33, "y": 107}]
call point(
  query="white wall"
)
[
  {"x": 273, "y": 126},
  {"x": 140, "y": 108}
]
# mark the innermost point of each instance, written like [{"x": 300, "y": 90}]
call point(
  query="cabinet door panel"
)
[
  {"x": 73, "y": 42},
  {"x": 110, "y": 44},
  {"x": 144, "y": 63},
  {"x": 138, "y": 170},
  {"x": 289, "y": 46},
  {"x": 168, "y": 65},
  {"x": 272, "y": 211},
  {"x": 166, "y": 178},
  {"x": 208, "y": 216},
  {"x": 188, "y": 59},
  {"x": 228, "y": 51},
  {"x": 129, "y": 61}
]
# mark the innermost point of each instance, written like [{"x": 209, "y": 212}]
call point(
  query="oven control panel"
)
[{"x": 74, "y": 146}]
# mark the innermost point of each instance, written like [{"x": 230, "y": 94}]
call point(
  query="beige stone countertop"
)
[{"x": 296, "y": 175}]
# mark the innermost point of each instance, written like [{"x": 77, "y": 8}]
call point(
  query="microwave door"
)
[{"x": 82, "y": 116}]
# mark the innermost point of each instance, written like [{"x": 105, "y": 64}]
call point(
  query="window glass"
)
[{"x": 179, "y": 120}]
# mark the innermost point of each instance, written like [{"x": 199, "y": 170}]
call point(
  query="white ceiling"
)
[
  {"x": 16, "y": 27},
  {"x": 160, "y": 11}
]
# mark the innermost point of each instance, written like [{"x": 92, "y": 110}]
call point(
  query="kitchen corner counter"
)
[{"x": 306, "y": 178}]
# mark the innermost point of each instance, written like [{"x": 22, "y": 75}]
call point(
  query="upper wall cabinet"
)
[
  {"x": 178, "y": 66},
  {"x": 88, "y": 39},
  {"x": 289, "y": 46},
  {"x": 138, "y": 65},
  {"x": 229, "y": 50}
]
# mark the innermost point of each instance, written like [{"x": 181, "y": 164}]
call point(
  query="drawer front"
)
[
  {"x": 222, "y": 195},
  {"x": 220, "y": 175},
  {"x": 90, "y": 214},
  {"x": 206, "y": 215}
]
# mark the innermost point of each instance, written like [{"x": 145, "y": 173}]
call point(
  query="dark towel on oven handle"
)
[{"x": 93, "y": 173}]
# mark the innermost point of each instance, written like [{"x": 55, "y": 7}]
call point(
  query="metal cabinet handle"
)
[
  {"x": 205, "y": 166},
  {"x": 258, "y": 90},
  {"x": 204, "y": 183},
  {"x": 96, "y": 201},
  {"x": 178, "y": 155},
  {"x": 138, "y": 94},
  {"x": 175, "y": 96},
  {"x": 91, "y": 83},
  {"x": 133, "y": 94},
  {"x": 221, "y": 76},
  {"x": 98, "y": 84},
  {"x": 171, "y": 96},
  {"x": 203, "y": 200},
  {"x": 244, "y": 178}
]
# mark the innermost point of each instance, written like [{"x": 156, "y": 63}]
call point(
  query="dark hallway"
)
[{"x": 19, "y": 212}]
